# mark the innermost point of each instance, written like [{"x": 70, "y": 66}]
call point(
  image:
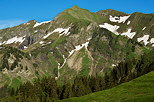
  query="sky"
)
[{"x": 14, "y": 12}]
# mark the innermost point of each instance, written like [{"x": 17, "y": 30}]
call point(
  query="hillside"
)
[
  {"x": 48, "y": 88},
  {"x": 138, "y": 90},
  {"x": 110, "y": 45}
]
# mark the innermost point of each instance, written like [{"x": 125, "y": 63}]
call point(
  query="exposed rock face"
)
[{"x": 76, "y": 42}]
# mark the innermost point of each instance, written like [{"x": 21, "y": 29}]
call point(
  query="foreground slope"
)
[{"x": 137, "y": 90}]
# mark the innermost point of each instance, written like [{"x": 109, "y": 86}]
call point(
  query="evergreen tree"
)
[
  {"x": 66, "y": 91},
  {"x": 79, "y": 89}
]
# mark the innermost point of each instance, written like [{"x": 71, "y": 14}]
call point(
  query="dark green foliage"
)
[
  {"x": 107, "y": 48},
  {"x": 55, "y": 70},
  {"x": 137, "y": 90},
  {"x": 9, "y": 51},
  {"x": 141, "y": 66},
  {"x": 29, "y": 91},
  {"x": 35, "y": 65},
  {"x": 50, "y": 87},
  {"x": 58, "y": 56},
  {"x": 81, "y": 87},
  {"x": 14, "y": 65},
  {"x": 98, "y": 83},
  {"x": 5, "y": 91},
  {"x": 47, "y": 89},
  {"x": 66, "y": 91}
]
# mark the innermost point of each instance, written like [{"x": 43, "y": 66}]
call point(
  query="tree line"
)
[{"x": 47, "y": 89}]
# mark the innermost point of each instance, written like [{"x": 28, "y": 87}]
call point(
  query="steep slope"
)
[
  {"x": 49, "y": 89},
  {"x": 48, "y": 43},
  {"x": 109, "y": 12},
  {"x": 136, "y": 26},
  {"x": 76, "y": 42},
  {"x": 17, "y": 67},
  {"x": 140, "y": 89},
  {"x": 23, "y": 35},
  {"x": 108, "y": 50},
  {"x": 82, "y": 14}
]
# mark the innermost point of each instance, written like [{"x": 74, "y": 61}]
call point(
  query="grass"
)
[
  {"x": 54, "y": 63},
  {"x": 79, "y": 13},
  {"x": 86, "y": 62},
  {"x": 138, "y": 90},
  {"x": 15, "y": 83},
  {"x": 85, "y": 66},
  {"x": 59, "y": 41},
  {"x": 112, "y": 12}
]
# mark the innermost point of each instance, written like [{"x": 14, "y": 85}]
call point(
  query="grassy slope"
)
[
  {"x": 137, "y": 90},
  {"x": 111, "y": 12}
]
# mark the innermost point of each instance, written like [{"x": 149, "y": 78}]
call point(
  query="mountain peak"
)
[
  {"x": 75, "y": 6},
  {"x": 76, "y": 12}
]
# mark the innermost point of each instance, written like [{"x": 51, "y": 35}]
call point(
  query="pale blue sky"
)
[{"x": 14, "y": 12}]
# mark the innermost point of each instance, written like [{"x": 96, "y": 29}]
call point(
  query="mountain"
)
[{"x": 77, "y": 43}]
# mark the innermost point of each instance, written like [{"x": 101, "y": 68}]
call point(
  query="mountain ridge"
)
[{"x": 76, "y": 42}]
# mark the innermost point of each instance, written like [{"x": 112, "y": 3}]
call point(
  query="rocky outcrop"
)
[{"x": 74, "y": 43}]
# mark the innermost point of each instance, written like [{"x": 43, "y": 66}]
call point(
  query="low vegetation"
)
[
  {"x": 137, "y": 90},
  {"x": 47, "y": 89}
]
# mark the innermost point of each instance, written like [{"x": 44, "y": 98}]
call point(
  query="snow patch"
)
[
  {"x": 65, "y": 59},
  {"x": 25, "y": 47},
  {"x": 47, "y": 35},
  {"x": 30, "y": 54},
  {"x": 58, "y": 70},
  {"x": 79, "y": 47},
  {"x": 120, "y": 19},
  {"x": 62, "y": 31},
  {"x": 49, "y": 43},
  {"x": 14, "y": 40},
  {"x": 112, "y": 28},
  {"x": 128, "y": 22},
  {"x": 41, "y": 42},
  {"x": 71, "y": 52},
  {"x": 113, "y": 65},
  {"x": 89, "y": 39},
  {"x": 129, "y": 34},
  {"x": 144, "y": 28},
  {"x": 26, "y": 23},
  {"x": 38, "y": 24},
  {"x": 144, "y": 39},
  {"x": 35, "y": 31},
  {"x": 152, "y": 40}
]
